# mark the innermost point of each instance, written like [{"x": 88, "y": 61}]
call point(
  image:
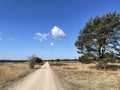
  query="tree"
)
[
  {"x": 34, "y": 60},
  {"x": 86, "y": 58},
  {"x": 100, "y": 35}
]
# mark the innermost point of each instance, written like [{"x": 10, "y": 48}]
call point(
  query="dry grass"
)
[
  {"x": 10, "y": 72},
  {"x": 77, "y": 76}
]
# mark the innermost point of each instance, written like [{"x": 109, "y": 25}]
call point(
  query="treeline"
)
[
  {"x": 42, "y": 60},
  {"x": 15, "y": 61},
  {"x": 62, "y": 60}
]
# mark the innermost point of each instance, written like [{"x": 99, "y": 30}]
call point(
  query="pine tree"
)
[{"x": 100, "y": 35}]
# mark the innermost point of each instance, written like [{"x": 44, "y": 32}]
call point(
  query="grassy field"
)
[
  {"x": 10, "y": 72},
  {"x": 78, "y": 76}
]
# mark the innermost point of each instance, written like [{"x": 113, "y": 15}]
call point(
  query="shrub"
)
[{"x": 34, "y": 60}]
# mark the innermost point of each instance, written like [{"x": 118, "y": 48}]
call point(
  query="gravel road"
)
[{"x": 41, "y": 79}]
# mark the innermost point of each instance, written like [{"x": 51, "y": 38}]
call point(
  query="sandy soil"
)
[{"x": 42, "y": 79}]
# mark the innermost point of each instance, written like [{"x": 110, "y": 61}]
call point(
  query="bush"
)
[{"x": 34, "y": 60}]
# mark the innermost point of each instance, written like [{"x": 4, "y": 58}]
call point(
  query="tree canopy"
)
[{"x": 100, "y": 35}]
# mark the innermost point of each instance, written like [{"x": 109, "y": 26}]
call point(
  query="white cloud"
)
[
  {"x": 0, "y": 38},
  {"x": 41, "y": 36},
  {"x": 57, "y": 32},
  {"x": 51, "y": 44}
]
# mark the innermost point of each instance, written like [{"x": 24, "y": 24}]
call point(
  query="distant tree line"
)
[
  {"x": 58, "y": 60},
  {"x": 14, "y": 61}
]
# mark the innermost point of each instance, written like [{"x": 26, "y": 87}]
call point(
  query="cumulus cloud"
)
[
  {"x": 51, "y": 44},
  {"x": 41, "y": 36},
  {"x": 57, "y": 32}
]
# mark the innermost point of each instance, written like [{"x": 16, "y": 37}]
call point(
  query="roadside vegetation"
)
[
  {"x": 12, "y": 71},
  {"x": 34, "y": 60}
]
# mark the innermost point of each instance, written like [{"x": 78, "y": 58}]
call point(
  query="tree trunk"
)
[{"x": 99, "y": 55}]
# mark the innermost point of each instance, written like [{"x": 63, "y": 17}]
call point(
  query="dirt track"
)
[{"x": 42, "y": 79}]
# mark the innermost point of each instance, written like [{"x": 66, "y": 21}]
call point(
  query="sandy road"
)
[{"x": 42, "y": 79}]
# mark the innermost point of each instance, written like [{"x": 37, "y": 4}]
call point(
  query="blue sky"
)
[{"x": 46, "y": 28}]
